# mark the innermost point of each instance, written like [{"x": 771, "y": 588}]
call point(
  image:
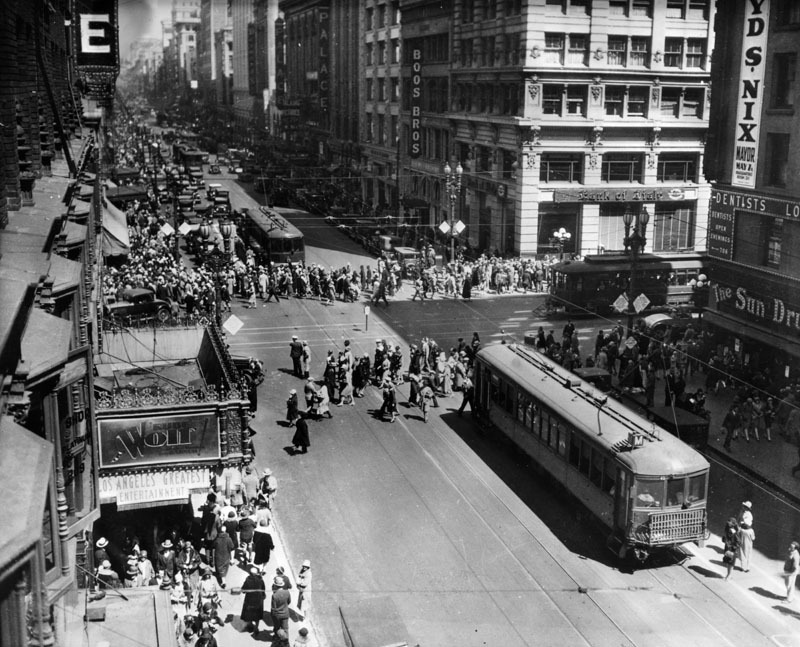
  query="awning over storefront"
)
[
  {"x": 25, "y": 463},
  {"x": 127, "y": 193},
  {"x": 45, "y": 343},
  {"x": 115, "y": 232},
  {"x": 74, "y": 233},
  {"x": 751, "y": 330},
  {"x": 415, "y": 203},
  {"x": 79, "y": 208}
]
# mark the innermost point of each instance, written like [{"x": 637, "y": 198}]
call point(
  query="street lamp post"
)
[
  {"x": 215, "y": 260},
  {"x": 226, "y": 229},
  {"x": 561, "y": 237},
  {"x": 634, "y": 242},
  {"x": 453, "y": 182}
]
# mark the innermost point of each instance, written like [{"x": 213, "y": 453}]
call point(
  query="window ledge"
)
[{"x": 780, "y": 111}]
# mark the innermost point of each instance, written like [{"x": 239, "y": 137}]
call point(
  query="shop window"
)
[
  {"x": 561, "y": 167},
  {"x": 784, "y": 71},
  {"x": 777, "y": 159},
  {"x": 622, "y": 167},
  {"x": 673, "y": 225},
  {"x": 677, "y": 167},
  {"x": 774, "y": 234}
]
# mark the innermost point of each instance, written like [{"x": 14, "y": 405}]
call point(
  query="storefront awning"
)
[
  {"x": 415, "y": 203},
  {"x": 749, "y": 330},
  {"x": 45, "y": 343},
  {"x": 25, "y": 464},
  {"x": 74, "y": 233},
  {"x": 115, "y": 232},
  {"x": 66, "y": 274}
]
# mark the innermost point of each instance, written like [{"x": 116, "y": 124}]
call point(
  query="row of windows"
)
[
  {"x": 477, "y": 10},
  {"x": 502, "y": 99},
  {"x": 375, "y": 129},
  {"x": 684, "y": 9},
  {"x": 618, "y": 167},
  {"x": 625, "y": 51},
  {"x": 383, "y": 89},
  {"x": 379, "y": 54},
  {"x": 492, "y": 50},
  {"x": 384, "y": 15},
  {"x": 624, "y": 101},
  {"x": 555, "y": 433},
  {"x": 434, "y": 49}
]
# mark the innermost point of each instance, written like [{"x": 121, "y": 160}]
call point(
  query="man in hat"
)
[
  {"x": 255, "y": 592},
  {"x": 279, "y": 607},
  {"x": 106, "y": 576},
  {"x": 250, "y": 485},
  {"x": 301, "y": 440},
  {"x": 268, "y": 487},
  {"x": 296, "y": 352},
  {"x": 166, "y": 559},
  {"x": 302, "y": 638},
  {"x": 304, "y": 588},
  {"x": 100, "y": 553}
]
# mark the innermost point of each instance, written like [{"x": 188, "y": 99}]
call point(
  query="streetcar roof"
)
[
  {"x": 273, "y": 223},
  {"x": 603, "y": 420},
  {"x": 607, "y": 263}
]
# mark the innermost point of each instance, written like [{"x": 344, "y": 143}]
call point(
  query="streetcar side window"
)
[
  {"x": 554, "y": 431},
  {"x": 697, "y": 488},
  {"x": 510, "y": 398},
  {"x": 609, "y": 476},
  {"x": 586, "y": 458},
  {"x": 574, "y": 450},
  {"x": 596, "y": 472},
  {"x": 562, "y": 440},
  {"x": 522, "y": 402}
]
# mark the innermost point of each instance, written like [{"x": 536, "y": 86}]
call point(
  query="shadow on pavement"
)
[
  {"x": 766, "y": 594},
  {"x": 705, "y": 572}
]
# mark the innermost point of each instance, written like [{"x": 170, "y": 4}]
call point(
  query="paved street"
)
[{"x": 453, "y": 528}]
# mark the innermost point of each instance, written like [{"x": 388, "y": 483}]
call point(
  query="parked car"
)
[{"x": 139, "y": 303}]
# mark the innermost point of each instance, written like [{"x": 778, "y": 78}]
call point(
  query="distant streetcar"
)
[
  {"x": 273, "y": 238},
  {"x": 592, "y": 285},
  {"x": 646, "y": 487}
]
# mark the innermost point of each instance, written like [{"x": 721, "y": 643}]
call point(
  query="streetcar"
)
[
  {"x": 273, "y": 238},
  {"x": 592, "y": 285},
  {"x": 644, "y": 485}
]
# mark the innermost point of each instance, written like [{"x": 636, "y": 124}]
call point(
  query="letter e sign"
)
[{"x": 95, "y": 33}]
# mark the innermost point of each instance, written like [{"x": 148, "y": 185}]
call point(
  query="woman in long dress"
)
[
  {"x": 747, "y": 537},
  {"x": 323, "y": 403},
  {"x": 292, "y": 408},
  {"x": 255, "y": 592}
]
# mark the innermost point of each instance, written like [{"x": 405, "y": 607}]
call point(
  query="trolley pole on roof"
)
[{"x": 635, "y": 242}]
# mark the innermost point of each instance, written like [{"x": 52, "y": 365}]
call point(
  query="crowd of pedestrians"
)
[{"x": 193, "y": 564}]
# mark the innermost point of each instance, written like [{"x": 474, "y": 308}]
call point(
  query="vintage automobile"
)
[
  {"x": 214, "y": 169},
  {"x": 138, "y": 303}
]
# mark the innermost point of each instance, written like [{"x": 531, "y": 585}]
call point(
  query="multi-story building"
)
[
  {"x": 214, "y": 16},
  {"x": 185, "y": 22},
  {"x": 755, "y": 209},
  {"x": 380, "y": 94},
  {"x": 223, "y": 40},
  {"x": 262, "y": 61},
  {"x": 47, "y": 253},
  {"x": 241, "y": 17},
  {"x": 563, "y": 114}
]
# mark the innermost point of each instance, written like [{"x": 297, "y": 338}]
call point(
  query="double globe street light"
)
[
  {"x": 453, "y": 183},
  {"x": 634, "y": 241}
]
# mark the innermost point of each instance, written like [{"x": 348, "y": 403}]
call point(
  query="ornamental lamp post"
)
[
  {"x": 562, "y": 237},
  {"x": 634, "y": 242},
  {"x": 226, "y": 229},
  {"x": 453, "y": 183}
]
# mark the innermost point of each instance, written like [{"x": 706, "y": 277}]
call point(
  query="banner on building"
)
[
  {"x": 162, "y": 486},
  {"x": 415, "y": 132},
  {"x": 751, "y": 93},
  {"x": 156, "y": 439},
  {"x": 96, "y": 39}
]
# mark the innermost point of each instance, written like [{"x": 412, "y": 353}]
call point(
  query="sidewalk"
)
[{"x": 768, "y": 462}]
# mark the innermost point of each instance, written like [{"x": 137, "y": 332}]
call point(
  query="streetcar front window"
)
[
  {"x": 649, "y": 493},
  {"x": 697, "y": 488},
  {"x": 676, "y": 491}
]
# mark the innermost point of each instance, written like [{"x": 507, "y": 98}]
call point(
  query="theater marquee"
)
[{"x": 152, "y": 440}]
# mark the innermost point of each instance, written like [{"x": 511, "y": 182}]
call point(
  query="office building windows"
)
[
  {"x": 561, "y": 167},
  {"x": 777, "y": 159},
  {"x": 622, "y": 167},
  {"x": 784, "y": 71}
]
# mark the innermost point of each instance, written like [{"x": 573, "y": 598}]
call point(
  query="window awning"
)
[
  {"x": 115, "y": 232},
  {"x": 25, "y": 466},
  {"x": 66, "y": 274},
  {"x": 45, "y": 343}
]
